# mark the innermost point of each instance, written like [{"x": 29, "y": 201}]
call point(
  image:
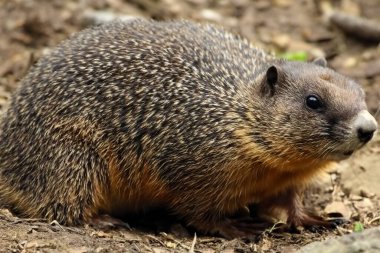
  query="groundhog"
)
[{"x": 127, "y": 117}]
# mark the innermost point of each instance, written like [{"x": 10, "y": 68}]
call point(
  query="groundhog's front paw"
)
[
  {"x": 314, "y": 222},
  {"x": 242, "y": 227}
]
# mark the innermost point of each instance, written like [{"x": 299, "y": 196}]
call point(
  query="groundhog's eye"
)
[{"x": 313, "y": 102}]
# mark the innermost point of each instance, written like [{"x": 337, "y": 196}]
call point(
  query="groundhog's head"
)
[{"x": 314, "y": 112}]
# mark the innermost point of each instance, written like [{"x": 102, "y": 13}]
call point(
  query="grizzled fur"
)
[{"x": 129, "y": 116}]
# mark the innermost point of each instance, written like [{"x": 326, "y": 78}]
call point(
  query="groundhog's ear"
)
[
  {"x": 320, "y": 62},
  {"x": 272, "y": 76},
  {"x": 271, "y": 79}
]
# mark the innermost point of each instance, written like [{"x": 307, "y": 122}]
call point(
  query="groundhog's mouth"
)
[
  {"x": 342, "y": 155},
  {"x": 348, "y": 153}
]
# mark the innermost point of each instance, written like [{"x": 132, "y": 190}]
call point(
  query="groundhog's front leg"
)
[
  {"x": 298, "y": 216},
  {"x": 291, "y": 201},
  {"x": 259, "y": 218}
]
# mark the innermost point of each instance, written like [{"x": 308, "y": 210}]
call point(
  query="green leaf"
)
[
  {"x": 358, "y": 227},
  {"x": 295, "y": 56}
]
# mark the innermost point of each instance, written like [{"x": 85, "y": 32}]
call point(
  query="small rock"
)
[
  {"x": 266, "y": 245},
  {"x": 350, "y": 62},
  {"x": 173, "y": 6},
  {"x": 339, "y": 207},
  {"x": 101, "y": 17},
  {"x": 7, "y": 214},
  {"x": 329, "y": 189},
  {"x": 350, "y": 7},
  {"x": 100, "y": 249},
  {"x": 366, "y": 194},
  {"x": 130, "y": 236},
  {"x": 100, "y": 234},
  {"x": 211, "y": 15},
  {"x": 317, "y": 34},
  {"x": 171, "y": 245},
  {"x": 262, "y": 5},
  {"x": 78, "y": 250},
  {"x": 364, "y": 204},
  {"x": 289, "y": 249},
  {"x": 372, "y": 68},
  {"x": 207, "y": 251},
  {"x": 369, "y": 54},
  {"x": 32, "y": 244},
  {"x": 281, "y": 41},
  {"x": 355, "y": 197},
  {"x": 228, "y": 250},
  {"x": 37, "y": 244},
  {"x": 159, "y": 250},
  {"x": 282, "y": 3}
]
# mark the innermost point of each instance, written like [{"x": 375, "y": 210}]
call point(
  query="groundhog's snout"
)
[{"x": 364, "y": 126}]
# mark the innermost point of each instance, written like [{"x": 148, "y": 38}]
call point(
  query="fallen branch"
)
[{"x": 359, "y": 27}]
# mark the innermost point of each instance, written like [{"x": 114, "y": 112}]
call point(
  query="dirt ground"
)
[{"x": 28, "y": 28}]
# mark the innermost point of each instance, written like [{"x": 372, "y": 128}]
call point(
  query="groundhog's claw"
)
[
  {"x": 107, "y": 222},
  {"x": 337, "y": 219},
  {"x": 314, "y": 222}
]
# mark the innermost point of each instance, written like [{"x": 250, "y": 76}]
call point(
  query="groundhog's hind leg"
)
[
  {"x": 237, "y": 224},
  {"x": 242, "y": 227},
  {"x": 82, "y": 181},
  {"x": 65, "y": 181}
]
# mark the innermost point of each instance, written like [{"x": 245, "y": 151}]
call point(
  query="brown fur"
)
[{"x": 146, "y": 191}]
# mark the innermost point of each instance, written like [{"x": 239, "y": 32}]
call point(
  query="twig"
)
[
  {"x": 191, "y": 250},
  {"x": 156, "y": 239},
  {"x": 274, "y": 227},
  {"x": 55, "y": 223},
  {"x": 374, "y": 219},
  {"x": 176, "y": 241}
]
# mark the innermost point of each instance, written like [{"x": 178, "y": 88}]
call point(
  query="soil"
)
[{"x": 29, "y": 28}]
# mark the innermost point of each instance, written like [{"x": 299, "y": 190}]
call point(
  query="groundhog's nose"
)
[{"x": 365, "y": 126}]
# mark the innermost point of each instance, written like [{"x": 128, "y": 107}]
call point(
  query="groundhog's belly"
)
[
  {"x": 276, "y": 181},
  {"x": 144, "y": 189}
]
